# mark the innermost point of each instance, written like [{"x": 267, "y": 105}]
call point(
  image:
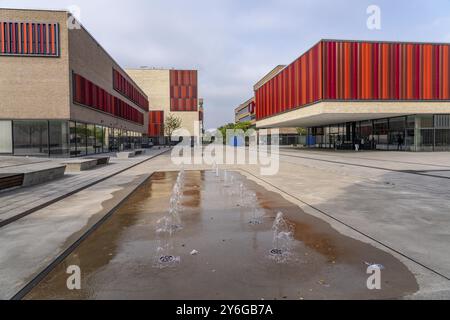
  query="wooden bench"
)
[
  {"x": 80, "y": 164},
  {"x": 30, "y": 175},
  {"x": 11, "y": 180}
]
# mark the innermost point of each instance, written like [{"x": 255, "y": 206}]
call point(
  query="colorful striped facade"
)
[
  {"x": 91, "y": 95},
  {"x": 358, "y": 71},
  {"x": 183, "y": 90},
  {"x": 129, "y": 90},
  {"x": 27, "y": 38},
  {"x": 156, "y": 124}
]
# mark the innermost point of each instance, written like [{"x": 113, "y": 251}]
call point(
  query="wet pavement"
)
[{"x": 119, "y": 260}]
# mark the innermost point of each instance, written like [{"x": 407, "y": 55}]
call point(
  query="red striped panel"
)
[
  {"x": 367, "y": 71},
  {"x": 386, "y": 71},
  {"x": 89, "y": 94},
  {"x": 297, "y": 85},
  {"x": 128, "y": 90},
  {"x": 156, "y": 123},
  {"x": 27, "y": 38},
  {"x": 2, "y": 38},
  {"x": 183, "y": 90}
]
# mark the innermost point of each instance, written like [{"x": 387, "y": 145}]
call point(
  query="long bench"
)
[
  {"x": 80, "y": 164},
  {"x": 125, "y": 155},
  {"x": 130, "y": 154},
  {"x": 30, "y": 175},
  {"x": 101, "y": 160}
]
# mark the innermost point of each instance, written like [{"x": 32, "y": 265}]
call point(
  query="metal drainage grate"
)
[
  {"x": 167, "y": 259},
  {"x": 276, "y": 252}
]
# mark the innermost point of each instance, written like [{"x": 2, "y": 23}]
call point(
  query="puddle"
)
[{"x": 234, "y": 257}]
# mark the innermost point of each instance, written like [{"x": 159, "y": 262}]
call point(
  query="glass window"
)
[
  {"x": 90, "y": 138},
  {"x": 381, "y": 134},
  {"x": 81, "y": 139},
  {"x": 73, "y": 138},
  {"x": 411, "y": 122},
  {"x": 118, "y": 139},
  {"x": 6, "y": 137},
  {"x": 425, "y": 121},
  {"x": 31, "y": 138},
  {"x": 425, "y": 139},
  {"x": 59, "y": 138},
  {"x": 442, "y": 140},
  {"x": 442, "y": 121},
  {"x": 106, "y": 139},
  {"x": 397, "y": 133},
  {"x": 113, "y": 145},
  {"x": 98, "y": 139}
]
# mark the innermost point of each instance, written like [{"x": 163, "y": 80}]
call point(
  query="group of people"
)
[{"x": 360, "y": 143}]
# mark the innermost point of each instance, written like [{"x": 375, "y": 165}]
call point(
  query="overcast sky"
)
[{"x": 233, "y": 43}]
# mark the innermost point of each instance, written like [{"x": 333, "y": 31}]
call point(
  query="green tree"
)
[
  {"x": 171, "y": 124},
  {"x": 302, "y": 131},
  {"x": 244, "y": 126}
]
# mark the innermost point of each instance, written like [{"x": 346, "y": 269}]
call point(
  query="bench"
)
[
  {"x": 30, "y": 175},
  {"x": 101, "y": 160},
  {"x": 11, "y": 180},
  {"x": 125, "y": 155},
  {"x": 80, "y": 164},
  {"x": 139, "y": 152}
]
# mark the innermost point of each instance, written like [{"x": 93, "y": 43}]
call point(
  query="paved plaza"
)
[{"x": 397, "y": 202}]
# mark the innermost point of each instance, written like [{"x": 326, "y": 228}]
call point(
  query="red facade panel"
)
[
  {"x": 359, "y": 71},
  {"x": 29, "y": 39},
  {"x": 386, "y": 71},
  {"x": 156, "y": 124},
  {"x": 128, "y": 90},
  {"x": 183, "y": 90},
  {"x": 88, "y": 94},
  {"x": 297, "y": 85}
]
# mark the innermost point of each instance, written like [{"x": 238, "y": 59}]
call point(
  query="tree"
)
[
  {"x": 244, "y": 126},
  {"x": 171, "y": 124},
  {"x": 302, "y": 131}
]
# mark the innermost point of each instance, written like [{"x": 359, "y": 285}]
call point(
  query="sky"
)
[{"x": 234, "y": 43}]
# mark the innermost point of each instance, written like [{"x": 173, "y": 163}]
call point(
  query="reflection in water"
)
[{"x": 232, "y": 261}]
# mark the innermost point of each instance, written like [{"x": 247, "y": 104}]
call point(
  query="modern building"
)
[
  {"x": 383, "y": 95},
  {"x": 246, "y": 112},
  {"x": 171, "y": 92},
  {"x": 61, "y": 93},
  {"x": 286, "y": 135}
]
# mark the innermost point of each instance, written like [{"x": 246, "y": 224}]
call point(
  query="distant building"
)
[
  {"x": 246, "y": 112},
  {"x": 170, "y": 92}
]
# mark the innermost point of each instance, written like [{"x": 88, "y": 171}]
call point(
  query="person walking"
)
[
  {"x": 357, "y": 145},
  {"x": 400, "y": 142}
]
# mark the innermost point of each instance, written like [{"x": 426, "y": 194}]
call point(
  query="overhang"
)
[{"x": 325, "y": 113}]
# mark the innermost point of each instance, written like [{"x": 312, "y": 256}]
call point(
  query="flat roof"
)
[
  {"x": 158, "y": 69},
  {"x": 31, "y": 9}
]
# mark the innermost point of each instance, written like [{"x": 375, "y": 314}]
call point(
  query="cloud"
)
[{"x": 233, "y": 43}]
